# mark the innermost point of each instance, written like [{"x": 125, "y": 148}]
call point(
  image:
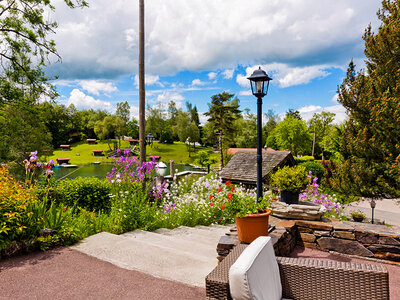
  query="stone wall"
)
[{"x": 360, "y": 239}]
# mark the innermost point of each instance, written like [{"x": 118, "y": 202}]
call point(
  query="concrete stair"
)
[{"x": 184, "y": 254}]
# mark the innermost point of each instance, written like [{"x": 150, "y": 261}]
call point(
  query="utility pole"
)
[{"x": 142, "y": 112}]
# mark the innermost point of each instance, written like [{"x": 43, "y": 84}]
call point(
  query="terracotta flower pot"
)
[{"x": 252, "y": 226}]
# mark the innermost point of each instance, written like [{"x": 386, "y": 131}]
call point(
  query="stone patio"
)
[{"x": 351, "y": 238}]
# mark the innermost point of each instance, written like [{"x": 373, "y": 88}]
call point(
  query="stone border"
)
[{"x": 351, "y": 238}]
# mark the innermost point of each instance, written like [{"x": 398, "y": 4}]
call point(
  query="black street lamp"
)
[
  {"x": 149, "y": 139},
  {"x": 259, "y": 82},
  {"x": 373, "y": 204}
]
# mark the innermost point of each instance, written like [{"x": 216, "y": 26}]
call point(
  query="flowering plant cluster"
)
[
  {"x": 33, "y": 168},
  {"x": 358, "y": 214},
  {"x": 313, "y": 194},
  {"x": 238, "y": 202}
]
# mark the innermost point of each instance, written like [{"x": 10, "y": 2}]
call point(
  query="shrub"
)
[
  {"x": 292, "y": 179},
  {"x": 166, "y": 137},
  {"x": 14, "y": 216},
  {"x": 303, "y": 159},
  {"x": 315, "y": 167},
  {"x": 91, "y": 193}
]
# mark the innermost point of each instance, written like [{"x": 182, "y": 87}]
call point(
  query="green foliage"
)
[
  {"x": 321, "y": 123},
  {"x": 358, "y": 214},
  {"x": 315, "y": 167},
  {"x": 15, "y": 218},
  {"x": 302, "y": 159},
  {"x": 166, "y": 137},
  {"x": 90, "y": 193},
  {"x": 291, "y": 134},
  {"x": 292, "y": 179},
  {"x": 204, "y": 158},
  {"x": 223, "y": 111},
  {"x": 369, "y": 163},
  {"x": 246, "y": 128}
]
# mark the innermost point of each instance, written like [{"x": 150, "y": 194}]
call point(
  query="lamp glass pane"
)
[{"x": 259, "y": 86}]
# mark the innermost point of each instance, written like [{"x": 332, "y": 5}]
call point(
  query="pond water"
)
[{"x": 101, "y": 170}]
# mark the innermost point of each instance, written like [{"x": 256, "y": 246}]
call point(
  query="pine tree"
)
[
  {"x": 370, "y": 144},
  {"x": 223, "y": 111}
]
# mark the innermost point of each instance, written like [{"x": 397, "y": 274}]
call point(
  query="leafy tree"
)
[
  {"x": 123, "y": 111},
  {"x": 272, "y": 122},
  {"x": 155, "y": 121},
  {"x": 320, "y": 124},
  {"x": 370, "y": 143},
  {"x": 133, "y": 128},
  {"x": 291, "y": 134},
  {"x": 24, "y": 34},
  {"x": 181, "y": 129},
  {"x": 21, "y": 131},
  {"x": 293, "y": 113},
  {"x": 223, "y": 111},
  {"x": 246, "y": 129}
]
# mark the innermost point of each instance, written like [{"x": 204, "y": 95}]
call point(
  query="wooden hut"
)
[{"x": 242, "y": 168}]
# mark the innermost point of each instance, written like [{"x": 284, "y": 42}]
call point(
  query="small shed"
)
[{"x": 242, "y": 168}]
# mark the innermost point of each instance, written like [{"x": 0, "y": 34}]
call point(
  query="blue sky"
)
[{"x": 199, "y": 48}]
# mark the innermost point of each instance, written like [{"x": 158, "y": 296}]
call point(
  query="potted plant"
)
[
  {"x": 358, "y": 215},
  {"x": 290, "y": 181},
  {"x": 251, "y": 218}
]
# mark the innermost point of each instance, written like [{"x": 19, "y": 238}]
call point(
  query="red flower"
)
[
  {"x": 233, "y": 188},
  {"x": 211, "y": 203},
  {"x": 230, "y": 195},
  {"x": 220, "y": 189},
  {"x": 222, "y": 206},
  {"x": 65, "y": 209},
  {"x": 228, "y": 182},
  {"x": 211, "y": 197},
  {"x": 274, "y": 199}
]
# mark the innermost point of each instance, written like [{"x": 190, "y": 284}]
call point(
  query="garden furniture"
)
[{"x": 253, "y": 272}]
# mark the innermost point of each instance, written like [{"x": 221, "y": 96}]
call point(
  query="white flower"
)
[{"x": 120, "y": 210}]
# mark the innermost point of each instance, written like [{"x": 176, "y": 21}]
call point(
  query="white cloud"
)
[
  {"x": 212, "y": 75},
  {"x": 95, "y": 87},
  {"x": 203, "y": 118},
  {"x": 245, "y": 93},
  {"x": 307, "y": 112},
  {"x": 198, "y": 82},
  {"x": 167, "y": 96},
  {"x": 148, "y": 79},
  {"x": 102, "y": 41},
  {"x": 286, "y": 75},
  {"x": 228, "y": 74},
  {"x": 334, "y": 99},
  {"x": 134, "y": 112},
  {"x": 82, "y": 101}
]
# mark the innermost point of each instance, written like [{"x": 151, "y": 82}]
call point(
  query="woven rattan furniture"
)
[{"x": 312, "y": 279}]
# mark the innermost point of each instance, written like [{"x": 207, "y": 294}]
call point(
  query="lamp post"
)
[
  {"x": 149, "y": 139},
  {"x": 259, "y": 82},
  {"x": 373, "y": 204}
]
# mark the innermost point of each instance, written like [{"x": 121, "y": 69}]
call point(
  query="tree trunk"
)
[{"x": 220, "y": 151}]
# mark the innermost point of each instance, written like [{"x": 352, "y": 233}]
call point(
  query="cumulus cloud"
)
[
  {"x": 95, "y": 87},
  {"x": 286, "y": 75},
  {"x": 198, "y": 82},
  {"x": 307, "y": 112},
  {"x": 102, "y": 41},
  {"x": 167, "y": 96},
  {"x": 82, "y": 101},
  {"x": 148, "y": 79},
  {"x": 212, "y": 75},
  {"x": 228, "y": 74},
  {"x": 245, "y": 93}
]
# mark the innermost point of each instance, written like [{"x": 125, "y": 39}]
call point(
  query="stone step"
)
[
  {"x": 208, "y": 237},
  {"x": 157, "y": 260},
  {"x": 179, "y": 242}
]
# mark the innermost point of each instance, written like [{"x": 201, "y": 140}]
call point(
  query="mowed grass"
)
[{"x": 81, "y": 153}]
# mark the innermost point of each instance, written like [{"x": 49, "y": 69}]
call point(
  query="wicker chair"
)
[{"x": 311, "y": 279}]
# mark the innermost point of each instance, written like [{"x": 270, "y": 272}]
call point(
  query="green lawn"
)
[{"x": 81, "y": 153}]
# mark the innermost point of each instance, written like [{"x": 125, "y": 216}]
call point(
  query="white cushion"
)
[{"x": 255, "y": 274}]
